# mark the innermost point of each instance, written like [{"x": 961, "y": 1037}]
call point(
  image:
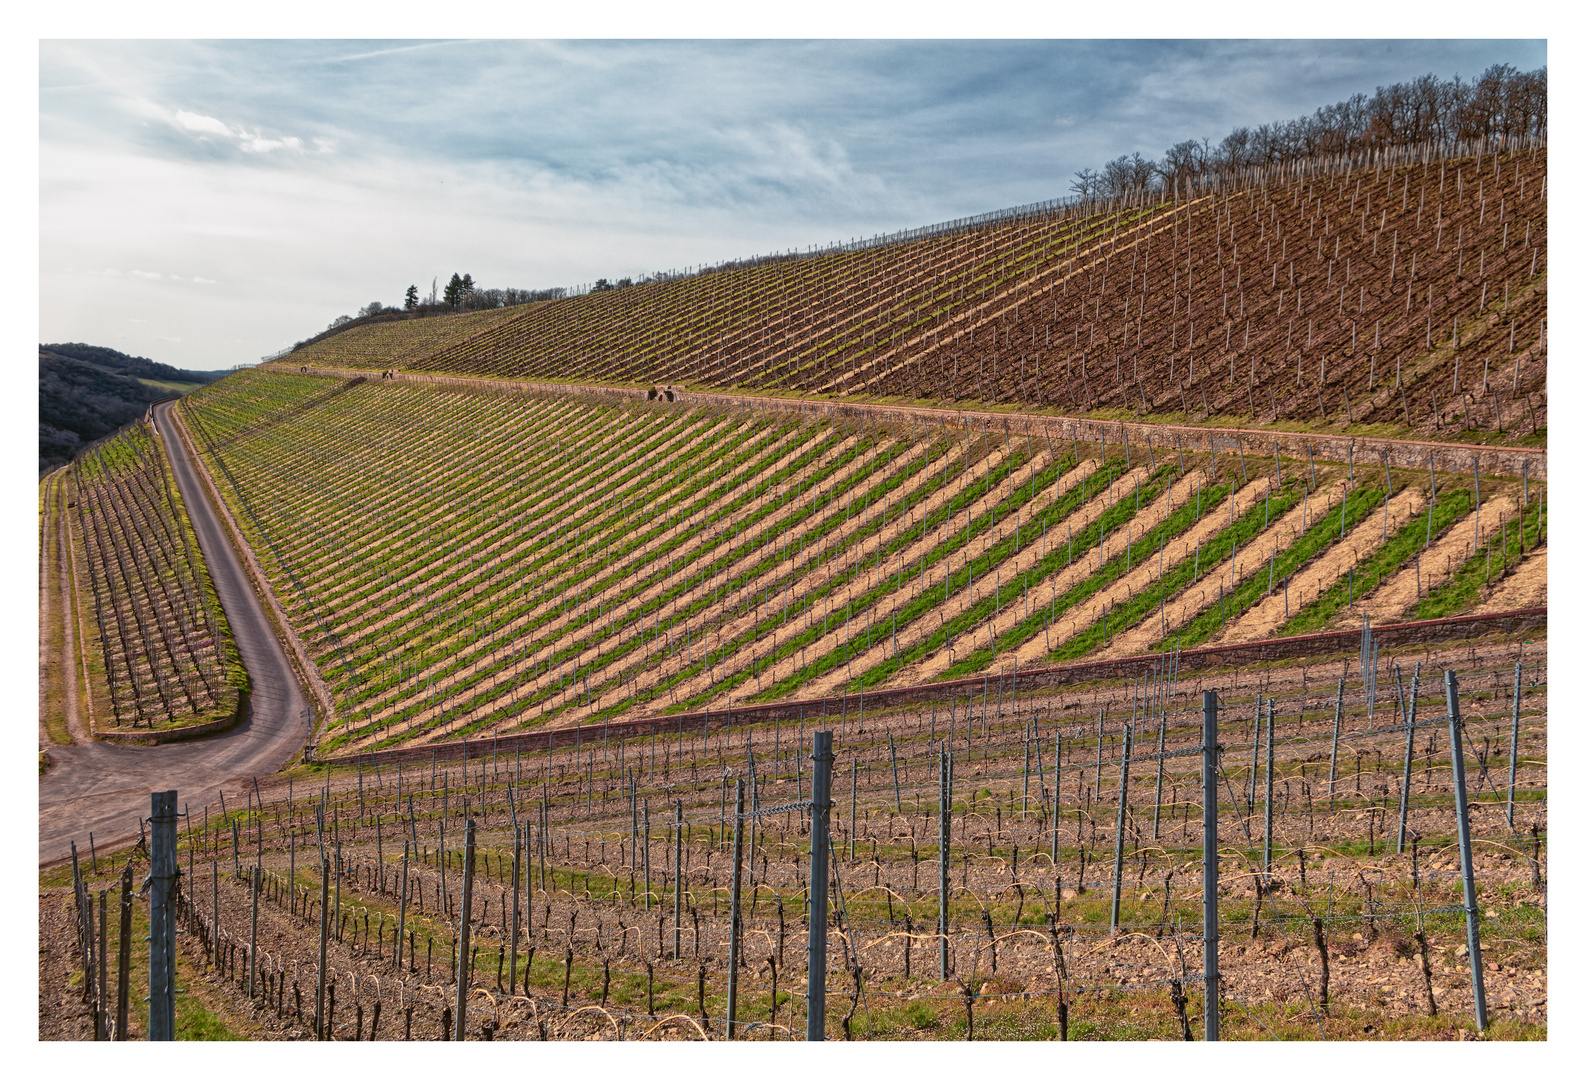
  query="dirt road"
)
[{"x": 104, "y": 789}]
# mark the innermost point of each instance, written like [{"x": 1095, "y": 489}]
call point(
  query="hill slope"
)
[
  {"x": 1401, "y": 293},
  {"x": 136, "y": 367},
  {"x": 465, "y": 561},
  {"x": 80, "y": 402},
  {"x": 159, "y": 647},
  {"x": 87, "y": 391}
]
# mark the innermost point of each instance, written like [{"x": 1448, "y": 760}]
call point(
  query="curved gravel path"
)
[{"x": 104, "y": 789}]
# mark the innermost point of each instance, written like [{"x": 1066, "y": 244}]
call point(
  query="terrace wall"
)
[
  {"x": 1047, "y": 678},
  {"x": 1167, "y": 438}
]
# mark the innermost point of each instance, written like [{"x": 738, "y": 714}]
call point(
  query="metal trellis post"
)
[
  {"x": 1514, "y": 748},
  {"x": 1209, "y": 858},
  {"x": 162, "y": 939},
  {"x": 1057, "y": 791},
  {"x": 1123, "y": 807},
  {"x": 1467, "y": 870},
  {"x": 463, "y": 931},
  {"x": 677, "y": 883},
  {"x": 735, "y": 929},
  {"x": 820, "y": 858},
  {"x": 1266, "y": 852}
]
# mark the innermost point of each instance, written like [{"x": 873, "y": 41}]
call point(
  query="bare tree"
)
[{"x": 1502, "y": 102}]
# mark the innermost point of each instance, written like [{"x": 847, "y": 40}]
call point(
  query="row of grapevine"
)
[
  {"x": 465, "y": 561},
  {"x": 1412, "y": 294},
  {"x": 159, "y": 637},
  {"x": 998, "y": 870},
  {"x": 396, "y": 344}
]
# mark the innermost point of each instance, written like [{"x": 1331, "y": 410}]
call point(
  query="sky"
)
[{"x": 207, "y": 202}]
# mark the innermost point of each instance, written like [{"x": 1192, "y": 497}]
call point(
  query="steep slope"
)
[
  {"x": 1405, "y": 291},
  {"x": 462, "y": 561}
]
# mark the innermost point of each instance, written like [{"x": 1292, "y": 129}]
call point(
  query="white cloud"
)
[
  {"x": 188, "y": 121},
  {"x": 258, "y": 144},
  {"x": 146, "y": 274},
  {"x": 249, "y": 142},
  {"x": 388, "y": 52},
  {"x": 205, "y": 281}
]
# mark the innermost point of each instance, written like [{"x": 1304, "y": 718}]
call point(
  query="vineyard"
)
[
  {"x": 633, "y": 710},
  {"x": 158, "y": 653},
  {"x": 1404, "y": 291},
  {"x": 398, "y": 344},
  {"x": 463, "y": 563},
  {"x": 998, "y": 870}
]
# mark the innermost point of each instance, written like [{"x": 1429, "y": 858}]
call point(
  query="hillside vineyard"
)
[
  {"x": 160, "y": 650},
  {"x": 467, "y": 561},
  {"x": 1404, "y": 288},
  {"x": 784, "y": 581}
]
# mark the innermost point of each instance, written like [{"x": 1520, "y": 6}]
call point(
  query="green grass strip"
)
[
  {"x": 1123, "y": 616},
  {"x": 1112, "y": 520},
  {"x": 1450, "y": 506},
  {"x": 1463, "y": 588},
  {"x": 956, "y": 541},
  {"x": 835, "y": 515},
  {"x": 1140, "y": 549},
  {"x": 1320, "y": 536},
  {"x": 811, "y": 598}
]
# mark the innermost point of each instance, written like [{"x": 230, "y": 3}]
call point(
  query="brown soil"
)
[
  {"x": 1363, "y": 540},
  {"x": 990, "y": 315},
  {"x": 1402, "y": 591},
  {"x": 911, "y": 632},
  {"x": 1525, "y": 586}
]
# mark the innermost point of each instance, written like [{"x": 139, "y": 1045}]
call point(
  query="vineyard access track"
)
[
  {"x": 1366, "y": 451},
  {"x": 104, "y": 789}
]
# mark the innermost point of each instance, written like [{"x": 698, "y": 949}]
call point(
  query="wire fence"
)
[{"x": 998, "y": 869}]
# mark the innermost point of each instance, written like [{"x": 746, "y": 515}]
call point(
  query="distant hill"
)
[
  {"x": 137, "y": 367},
  {"x": 86, "y": 392}
]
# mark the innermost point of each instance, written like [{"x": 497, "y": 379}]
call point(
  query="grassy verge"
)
[
  {"x": 1139, "y": 606},
  {"x": 52, "y": 705}
]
